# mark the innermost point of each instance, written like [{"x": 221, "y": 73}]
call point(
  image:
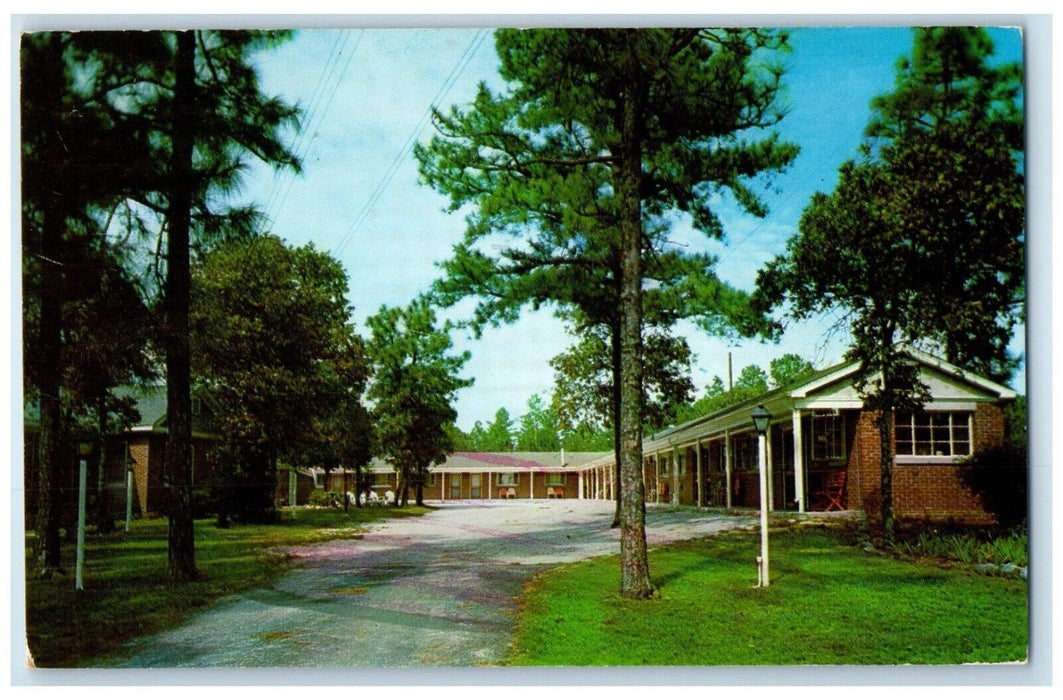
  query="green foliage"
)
[
  {"x": 922, "y": 239},
  {"x": 499, "y": 435},
  {"x": 575, "y": 168},
  {"x": 752, "y": 382},
  {"x": 584, "y": 380},
  {"x": 1000, "y": 477},
  {"x": 789, "y": 369},
  {"x": 415, "y": 380},
  {"x": 998, "y": 547},
  {"x": 273, "y": 349},
  {"x": 326, "y": 499},
  {"x": 539, "y": 427},
  {"x": 829, "y": 604}
]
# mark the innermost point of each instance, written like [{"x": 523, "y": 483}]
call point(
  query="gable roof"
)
[
  {"x": 503, "y": 462},
  {"x": 785, "y": 398}
]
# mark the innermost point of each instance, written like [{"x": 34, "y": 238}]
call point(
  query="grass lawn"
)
[
  {"x": 126, "y": 590},
  {"x": 829, "y": 603}
]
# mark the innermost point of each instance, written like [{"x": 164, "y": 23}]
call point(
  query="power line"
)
[
  {"x": 325, "y": 85},
  {"x": 441, "y": 94},
  {"x": 793, "y": 193}
]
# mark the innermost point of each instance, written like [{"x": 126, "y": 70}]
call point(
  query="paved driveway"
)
[{"x": 439, "y": 590}]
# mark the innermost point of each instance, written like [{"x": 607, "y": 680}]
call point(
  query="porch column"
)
[
  {"x": 675, "y": 475},
  {"x": 799, "y": 462},
  {"x": 579, "y": 487},
  {"x": 727, "y": 464},
  {"x": 698, "y": 495},
  {"x": 767, "y": 469},
  {"x": 657, "y": 478},
  {"x": 531, "y": 485},
  {"x": 443, "y": 486},
  {"x": 490, "y": 486}
]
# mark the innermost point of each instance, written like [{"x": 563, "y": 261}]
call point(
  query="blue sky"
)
[{"x": 367, "y": 93}]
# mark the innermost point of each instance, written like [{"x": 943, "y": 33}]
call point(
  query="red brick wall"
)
[{"x": 920, "y": 491}]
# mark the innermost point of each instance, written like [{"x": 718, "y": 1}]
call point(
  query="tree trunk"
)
[
  {"x": 885, "y": 434},
  {"x": 614, "y": 332},
  {"x": 400, "y": 485},
  {"x": 178, "y": 457},
  {"x": 634, "y": 564},
  {"x": 51, "y": 299},
  {"x": 104, "y": 521},
  {"x": 357, "y": 486}
]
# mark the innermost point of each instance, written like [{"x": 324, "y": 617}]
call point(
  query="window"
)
[
  {"x": 381, "y": 479},
  {"x": 507, "y": 479},
  {"x": 555, "y": 479},
  {"x": 430, "y": 479},
  {"x": 682, "y": 464},
  {"x": 937, "y": 434},
  {"x": 455, "y": 486},
  {"x": 828, "y": 437},
  {"x": 744, "y": 453},
  {"x": 474, "y": 485},
  {"x": 663, "y": 466}
]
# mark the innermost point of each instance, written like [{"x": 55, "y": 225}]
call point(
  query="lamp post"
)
[
  {"x": 761, "y": 419},
  {"x": 84, "y": 448},
  {"x": 128, "y": 488}
]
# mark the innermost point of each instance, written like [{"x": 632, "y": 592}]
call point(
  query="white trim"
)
[
  {"x": 829, "y": 404},
  {"x": 929, "y": 460}
]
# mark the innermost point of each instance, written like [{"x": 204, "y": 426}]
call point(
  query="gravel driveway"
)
[{"x": 438, "y": 590}]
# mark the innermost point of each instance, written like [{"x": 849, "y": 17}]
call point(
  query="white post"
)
[
  {"x": 675, "y": 475},
  {"x": 83, "y": 477},
  {"x": 531, "y": 485},
  {"x": 443, "y": 485},
  {"x": 799, "y": 462},
  {"x": 579, "y": 476},
  {"x": 490, "y": 486},
  {"x": 727, "y": 466},
  {"x": 657, "y": 478},
  {"x": 763, "y": 458},
  {"x": 128, "y": 498},
  {"x": 768, "y": 464},
  {"x": 698, "y": 492}
]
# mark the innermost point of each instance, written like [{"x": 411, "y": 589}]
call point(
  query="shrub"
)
[
  {"x": 998, "y": 475},
  {"x": 975, "y": 547},
  {"x": 326, "y": 499}
]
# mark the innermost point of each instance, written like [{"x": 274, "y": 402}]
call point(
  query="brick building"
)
[{"x": 823, "y": 448}]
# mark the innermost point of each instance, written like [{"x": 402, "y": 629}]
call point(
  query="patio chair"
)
[
  {"x": 549, "y": 491},
  {"x": 511, "y": 492},
  {"x": 830, "y": 495},
  {"x": 559, "y": 492},
  {"x": 389, "y": 497}
]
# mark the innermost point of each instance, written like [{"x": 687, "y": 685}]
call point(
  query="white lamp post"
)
[
  {"x": 84, "y": 448},
  {"x": 761, "y": 419},
  {"x": 128, "y": 489}
]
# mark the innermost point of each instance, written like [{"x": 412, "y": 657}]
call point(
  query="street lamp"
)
[
  {"x": 761, "y": 420},
  {"x": 84, "y": 449}
]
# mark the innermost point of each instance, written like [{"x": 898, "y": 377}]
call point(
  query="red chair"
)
[{"x": 831, "y": 493}]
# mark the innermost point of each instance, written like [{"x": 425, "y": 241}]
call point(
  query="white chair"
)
[{"x": 389, "y": 497}]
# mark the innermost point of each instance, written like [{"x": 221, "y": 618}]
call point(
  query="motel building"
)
[
  {"x": 822, "y": 454},
  {"x": 823, "y": 451}
]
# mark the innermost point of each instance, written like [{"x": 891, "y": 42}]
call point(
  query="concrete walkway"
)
[{"x": 438, "y": 590}]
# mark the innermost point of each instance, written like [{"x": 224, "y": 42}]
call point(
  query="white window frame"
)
[
  {"x": 555, "y": 479},
  {"x": 508, "y": 479},
  {"x": 952, "y": 423}
]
